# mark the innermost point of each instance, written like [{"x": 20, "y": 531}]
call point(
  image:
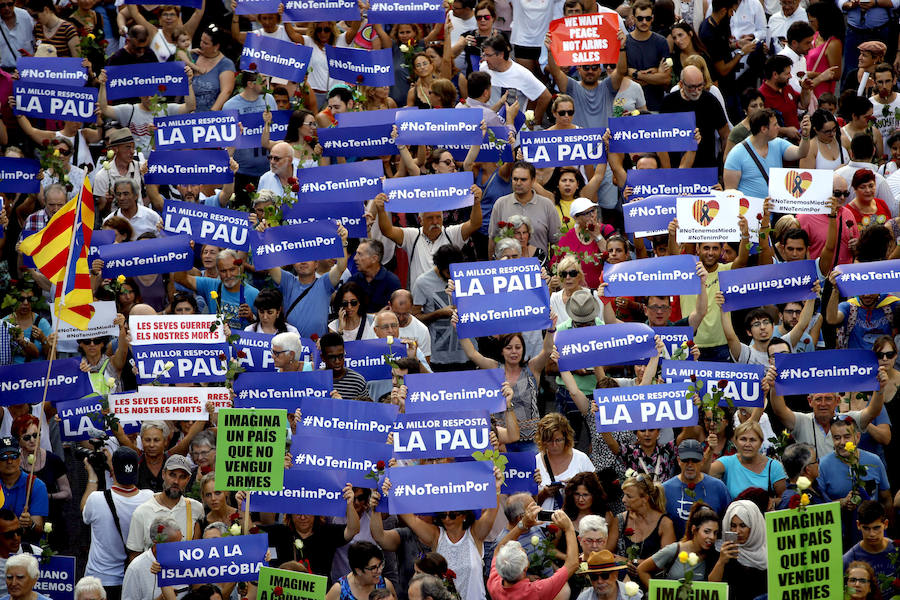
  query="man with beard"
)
[
  {"x": 692, "y": 97},
  {"x": 885, "y": 103},
  {"x": 779, "y": 95},
  {"x": 169, "y": 503},
  {"x": 236, "y": 296}
]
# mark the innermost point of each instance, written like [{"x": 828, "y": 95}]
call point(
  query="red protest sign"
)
[{"x": 585, "y": 39}]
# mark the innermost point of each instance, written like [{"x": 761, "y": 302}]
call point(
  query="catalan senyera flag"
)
[{"x": 60, "y": 253}]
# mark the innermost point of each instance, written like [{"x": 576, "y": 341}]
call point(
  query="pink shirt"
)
[
  {"x": 542, "y": 589},
  {"x": 817, "y": 228}
]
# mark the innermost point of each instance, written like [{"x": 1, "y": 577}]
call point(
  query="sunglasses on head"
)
[{"x": 888, "y": 354}]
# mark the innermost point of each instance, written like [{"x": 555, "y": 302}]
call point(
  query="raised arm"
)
[
  {"x": 341, "y": 265},
  {"x": 618, "y": 75},
  {"x": 395, "y": 234},
  {"x": 581, "y": 401},
  {"x": 561, "y": 79},
  {"x": 832, "y": 315},
  {"x": 796, "y": 333},
  {"x": 826, "y": 258},
  {"x": 699, "y": 312},
  {"x": 873, "y": 408},
  {"x": 389, "y": 540},
  {"x": 781, "y": 410},
  {"x": 734, "y": 344}
]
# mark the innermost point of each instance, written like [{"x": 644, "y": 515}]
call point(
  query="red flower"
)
[
  {"x": 314, "y": 337},
  {"x": 501, "y": 223},
  {"x": 693, "y": 378},
  {"x": 691, "y": 485},
  {"x": 252, "y": 66},
  {"x": 250, "y": 188},
  {"x": 103, "y": 43},
  {"x": 604, "y": 256},
  {"x": 723, "y": 383},
  {"x": 241, "y": 354},
  {"x": 629, "y": 531},
  {"x": 591, "y": 226},
  {"x": 221, "y": 356},
  {"x": 615, "y": 482},
  {"x": 298, "y": 94},
  {"x": 45, "y": 142},
  {"x": 161, "y": 88},
  {"x": 553, "y": 529},
  {"x": 238, "y": 262},
  {"x": 292, "y": 180},
  {"x": 896, "y": 583},
  {"x": 308, "y": 139},
  {"x": 254, "y": 530},
  {"x": 849, "y": 223},
  {"x": 806, "y": 340},
  {"x": 794, "y": 501},
  {"x": 160, "y": 528},
  {"x": 295, "y": 188},
  {"x": 380, "y": 465},
  {"x": 277, "y": 590},
  {"x": 759, "y": 216},
  {"x": 235, "y": 516},
  {"x": 449, "y": 574},
  {"x": 359, "y": 79},
  {"x": 566, "y": 220},
  {"x": 690, "y": 343}
]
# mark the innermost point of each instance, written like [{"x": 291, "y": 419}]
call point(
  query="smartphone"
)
[
  {"x": 545, "y": 515},
  {"x": 729, "y": 536}
]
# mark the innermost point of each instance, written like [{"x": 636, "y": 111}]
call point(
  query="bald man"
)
[
  {"x": 281, "y": 168},
  {"x": 692, "y": 97},
  {"x": 410, "y": 327}
]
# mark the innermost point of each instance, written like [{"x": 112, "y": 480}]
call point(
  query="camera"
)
[{"x": 96, "y": 457}]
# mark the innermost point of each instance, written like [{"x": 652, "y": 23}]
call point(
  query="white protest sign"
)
[
  {"x": 100, "y": 324},
  {"x": 707, "y": 219},
  {"x": 168, "y": 403},
  {"x": 801, "y": 191},
  {"x": 169, "y": 329},
  {"x": 748, "y": 207}
]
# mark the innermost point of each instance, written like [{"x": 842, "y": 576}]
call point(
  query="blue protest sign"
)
[
  {"x": 768, "y": 284},
  {"x": 367, "y": 421},
  {"x": 349, "y": 214},
  {"x": 588, "y": 347},
  {"x": 879, "y": 277},
  {"x": 518, "y": 119},
  {"x": 459, "y": 390},
  {"x": 437, "y": 126},
  {"x": 48, "y": 101},
  {"x": 56, "y": 577},
  {"x": 289, "y": 244},
  {"x": 220, "y": 227},
  {"x": 383, "y": 12},
  {"x": 79, "y": 417},
  {"x": 306, "y": 492},
  {"x": 361, "y": 142},
  {"x": 59, "y": 71},
  {"x": 256, "y": 7},
  {"x": 677, "y": 273},
  {"x": 253, "y": 351},
  {"x": 422, "y": 489},
  {"x": 278, "y": 58},
  {"x": 441, "y": 434},
  {"x": 144, "y": 257},
  {"x": 563, "y": 147},
  {"x": 653, "y": 133},
  {"x": 650, "y": 216},
  {"x": 674, "y": 337},
  {"x": 675, "y": 182},
  {"x": 187, "y": 3},
  {"x": 743, "y": 381},
  {"x": 232, "y": 558},
  {"x": 494, "y": 147},
  {"x": 518, "y": 475},
  {"x": 197, "y": 130},
  {"x": 500, "y": 296},
  {"x": 366, "y": 67},
  {"x": 146, "y": 79},
  {"x": 100, "y": 237},
  {"x": 826, "y": 371},
  {"x": 190, "y": 363},
  {"x": 19, "y": 175},
  {"x": 280, "y": 390},
  {"x": 428, "y": 193},
  {"x": 644, "y": 407},
  {"x": 385, "y": 116},
  {"x": 320, "y": 10},
  {"x": 355, "y": 456},
  {"x": 197, "y": 166},
  {"x": 343, "y": 182},
  {"x": 25, "y": 382},
  {"x": 250, "y": 135},
  {"x": 367, "y": 357}
]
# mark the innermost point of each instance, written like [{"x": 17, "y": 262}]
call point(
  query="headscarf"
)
[{"x": 753, "y": 552}]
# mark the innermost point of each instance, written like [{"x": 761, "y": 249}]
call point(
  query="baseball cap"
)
[
  {"x": 9, "y": 445},
  {"x": 580, "y": 205},
  {"x": 177, "y": 461},
  {"x": 690, "y": 450},
  {"x": 125, "y": 465}
]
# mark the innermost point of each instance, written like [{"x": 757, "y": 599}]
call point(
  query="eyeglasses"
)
[
  {"x": 646, "y": 19},
  {"x": 658, "y": 307},
  {"x": 857, "y": 580},
  {"x": 448, "y": 162},
  {"x": 565, "y": 274},
  {"x": 566, "y": 113},
  {"x": 486, "y": 55},
  {"x": 888, "y": 354},
  {"x": 484, "y": 17},
  {"x": 276, "y": 158},
  {"x": 199, "y": 453},
  {"x": 828, "y": 131},
  {"x": 15, "y": 532},
  {"x": 792, "y": 311},
  {"x": 279, "y": 352},
  {"x": 840, "y": 193},
  {"x": 349, "y": 303},
  {"x": 604, "y": 575},
  {"x": 580, "y": 495},
  {"x": 760, "y": 323},
  {"x": 29, "y": 436},
  {"x": 592, "y": 541},
  {"x": 374, "y": 568}
]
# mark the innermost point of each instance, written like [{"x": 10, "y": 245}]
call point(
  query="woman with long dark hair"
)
[
  {"x": 585, "y": 496},
  {"x": 686, "y": 43},
  {"x": 825, "y": 148},
  {"x": 269, "y": 305},
  {"x": 828, "y": 44},
  {"x": 700, "y": 535},
  {"x": 352, "y": 321}
]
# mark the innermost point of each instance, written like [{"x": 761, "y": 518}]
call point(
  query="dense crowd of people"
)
[{"x": 771, "y": 83}]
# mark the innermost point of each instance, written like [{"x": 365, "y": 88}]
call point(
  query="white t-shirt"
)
[
  {"x": 417, "y": 330},
  {"x": 531, "y": 19},
  {"x": 141, "y": 584},
  {"x": 106, "y": 558},
  {"x": 752, "y": 356},
  {"x": 144, "y": 220},
  {"x": 886, "y": 123},
  {"x": 278, "y": 34},
  {"x": 318, "y": 75},
  {"x": 516, "y": 77},
  {"x": 423, "y": 258},
  {"x": 579, "y": 464},
  {"x": 139, "y": 538}
]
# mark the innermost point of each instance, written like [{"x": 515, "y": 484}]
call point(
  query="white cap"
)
[{"x": 580, "y": 205}]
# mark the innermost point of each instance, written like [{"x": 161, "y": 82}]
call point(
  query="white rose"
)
[
  {"x": 404, "y": 48},
  {"x": 235, "y": 529},
  {"x": 803, "y": 483},
  {"x": 535, "y": 540},
  {"x": 107, "y": 165},
  {"x": 669, "y": 62},
  {"x": 31, "y": 462},
  {"x": 631, "y": 588},
  {"x": 529, "y": 115},
  {"x": 169, "y": 364},
  {"x": 693, "y": 559},
  {"x": 48, "y": 527},
  {"x": 390, "y": 340},
  {"x": 298, "y": 544},
  {"x": 111, "y": 382},
  {"x": 110, "y": 154}
]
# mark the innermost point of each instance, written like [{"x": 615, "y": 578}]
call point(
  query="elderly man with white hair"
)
[
  {"x": 287, "y": 350},
  {"x": 21, "y": 574},
  {"x": 281, "y": 169},
  {"x": 89, "y": 588},
  {"x": 140, "y": 582},
  {"x": 509, "y": 579},
  {"x": 236, "y": 297}
]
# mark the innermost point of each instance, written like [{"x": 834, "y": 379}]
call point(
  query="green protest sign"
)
[
  {"x": 250, "y": 449},
  {"x": 279, "y": 584},
  {"x": 667, "y": 589},
  {"x": 804, "y": 547}
]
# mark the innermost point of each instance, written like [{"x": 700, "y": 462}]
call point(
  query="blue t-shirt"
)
[
  {"x": 679, "y": 501},
  {"x": 834, "y": 475},
  {"x": 738, "y": 478},
  {"x": 231, "y": 301},
  {"x": 880, "y": 562},
  {"x": 251, "y": 161},
  {"x": 15, "y": 497},
  {"x": 207, "y": 85},
  {"x": 752, "y": 181},
  {"x": 871, "y": 323},
  {"x": 310, "y": 315},
  {"x": 866, "y": 442}
]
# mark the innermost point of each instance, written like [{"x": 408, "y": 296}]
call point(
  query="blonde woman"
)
[
  {"x": 571, "y": 279},
  {"x": 557, "y": 460}
]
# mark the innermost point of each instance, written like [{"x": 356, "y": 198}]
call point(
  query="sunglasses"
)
[
  {"x": 848, "y": 420},
  {"x": 647, "y": 19},
  {"x": 449, "y": 515},
  {"x": 276, "y": 158},
  {"x": 888, "y": 354},
  {"x": 325, "y": 29},
  {"x": 566, "y": 113},
  {"x": 484, "y": 17},
  {"x": 64, "y": 150},
  {"x": 29, "y": 436},
  {"x": 604, "y": 575},
  {"x": 590, "y": 67},
  {"x": 840, "y": 193},
  {"x": 572, "y": 273},
  {"x": 97, "y": 341},
  {"x": 349, "y": 303},
  {"x": 9, "y": 456}
]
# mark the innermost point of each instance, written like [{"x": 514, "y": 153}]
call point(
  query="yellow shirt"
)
[
  {"x": 562, "y": 207},
  {"x": 710, "y": 332}
]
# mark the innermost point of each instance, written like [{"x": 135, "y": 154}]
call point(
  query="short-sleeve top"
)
[
  {"x": 206, "y": 86},
  {"x": 738, "y": 478},
  {"x": 752, "y": 181}
]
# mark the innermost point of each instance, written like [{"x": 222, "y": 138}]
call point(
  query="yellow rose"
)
[
  {"x": 804, "y": 499},
  {"x": 683, "y": 556},
  {"x": 213, "y": 294},
  {"x": 850, "y": 447},
  {"x": 56, "y": 152},
  {"x": 120, "y": 279},
  {"x": 635, "y": 113},
  {"x": 90, "y": 36}
]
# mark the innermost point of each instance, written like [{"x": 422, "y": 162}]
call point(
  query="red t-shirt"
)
[
  {"x": 542, "y": 589},
  {"x": 784, "y": 101},
  {"x": 882, "y": 214}
]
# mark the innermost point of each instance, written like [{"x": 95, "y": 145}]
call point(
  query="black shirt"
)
[
  {"x": 318, "y": 549},
  {"x": 716, "y": 36},
  {"x": 710, "y": 118}
]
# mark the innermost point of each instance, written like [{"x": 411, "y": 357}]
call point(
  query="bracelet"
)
[{"x": 92, "y": 481}]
